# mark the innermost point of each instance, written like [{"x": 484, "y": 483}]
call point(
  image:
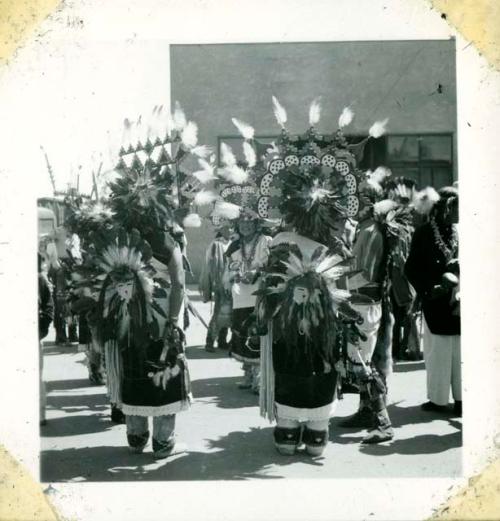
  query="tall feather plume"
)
[
  {"x": 279, "y": 113},
  {"x": 206, "y": 174},
  {"x": 315, "y": 112},
  {"x": 127, "y": 130},
  {"x": 250, "y": 155},
  {"x": 346, "y": 117},
  {"x": 189, "y": 134},
  {"x": 226, "y": 210},
  {"x": 179, "y": 117},
  {"x": 378, "y": 128},
  {"x": 244, "y": 129},
  {"x": 425, "y": 200},
  {"x": 234, "y": 174},
  {"x": 152, "y": 129},
  {"x": 202, "y": 151},
  {"x": 227, "y": 156}
]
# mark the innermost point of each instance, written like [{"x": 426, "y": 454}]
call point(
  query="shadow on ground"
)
[
  {"x": 237, "y": 456},
  {"x": 225, "y": 392}
]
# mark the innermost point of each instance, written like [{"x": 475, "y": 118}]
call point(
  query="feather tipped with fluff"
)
[
  {"x": 179, "y": 118},
  {"x": 234, "y": 174},
  {"x": 315, "y": 112},
  {"x": 380, "y": 174},
  {"x": 227, "y": 156},
  {"x": 204, "y": 197},
  {"x": 192, "y": 220},
  {"x": 384, "y": 207},
  {"x": 378, "y": 128},
  {"x": 346, "y": 117},
  {"x": 202, "y": 151},
  {"x": 243, "y": 128},
  {"x": 279, "y": 112},
  {"x": 226, "y": 210},
  {"x": 189, "y": 134},
  {"x": 425, "y": 200},
  {"x": 127, "y": 130},
  {"x": 206, "y": 174},
  {"x": 250, "y": 155}
]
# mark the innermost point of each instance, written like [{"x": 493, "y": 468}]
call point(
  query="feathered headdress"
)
[
  {"x": 152, "y": 191},
  {"x": 300, "y": 296},
  {"x": 425, "y": 200}
]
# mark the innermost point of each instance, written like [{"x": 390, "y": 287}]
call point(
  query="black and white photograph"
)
[
  {"x": 249, "y": 243},
  {"x": 263, "y": 279}
]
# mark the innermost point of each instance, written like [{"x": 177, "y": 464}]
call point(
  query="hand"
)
[{"x": 248, "y": 277}]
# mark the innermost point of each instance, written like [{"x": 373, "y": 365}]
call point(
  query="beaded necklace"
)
[
  {"x": 247, "y": 259},
  {"x": 449, "y": 251}
]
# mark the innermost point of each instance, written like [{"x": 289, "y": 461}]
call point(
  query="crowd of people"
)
[{"x": 320, "y": 276}]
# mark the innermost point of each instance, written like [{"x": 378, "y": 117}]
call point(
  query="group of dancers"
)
[{"x": 313, "y": 273}]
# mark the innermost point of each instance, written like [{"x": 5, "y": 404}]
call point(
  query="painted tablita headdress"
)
[
  {"x": 153, "y": 192},
  {"x": 312, "y": 181}
]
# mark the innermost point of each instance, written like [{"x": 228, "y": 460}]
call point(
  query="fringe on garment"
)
[
  {"x": 162, "y": 410},
  {"x": 266, "y": 400},
  {"x": 114, "y": 370}
]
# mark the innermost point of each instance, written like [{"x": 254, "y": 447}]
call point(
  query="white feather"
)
[
  {"x": 204, "y": 176},
  {"x": 384, "y": 207},
  {"x": 202, "y": 151},
  {"x": 234, "y": 174},
  {"x": 243, "y": 128},
  {"x": 378, "y": 128},
  {"x": 425, "y": 200},
  {"x": 380, "y": 173},
  {"x": 189, "y": 134},
  {"x": 179, "y": 118},
  {"x": 250, "y": 155},
  {"x": 279, "y": 112},
  {"x": 226, "y": 210},
  {"x": 192, "y": 220},
  {"x": 346, "y": 117},
  {"x": 127, "y": 130},
  {"x": 227, "y": 156},
  {"x": 204, "y": 197},
  {"x": 315, "y": 112}
]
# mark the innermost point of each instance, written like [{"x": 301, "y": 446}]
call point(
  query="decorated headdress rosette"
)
[{"x": 326, "y": 163}]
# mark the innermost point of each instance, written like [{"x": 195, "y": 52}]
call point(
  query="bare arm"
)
[{"x": 176, "y": 272}]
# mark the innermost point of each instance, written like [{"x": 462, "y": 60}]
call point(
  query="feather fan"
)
[{"x": 189, "y": 135}]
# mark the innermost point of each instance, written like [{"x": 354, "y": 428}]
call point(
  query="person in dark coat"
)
[{"x": 433, "y": 270}]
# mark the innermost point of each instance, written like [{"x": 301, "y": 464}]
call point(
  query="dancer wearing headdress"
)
[
  {"x": 138, "y": 275},
  {"x": 433, "y": 269},
  {"x": 312, "y": 183},
  {"x": 246, "y": 258}
]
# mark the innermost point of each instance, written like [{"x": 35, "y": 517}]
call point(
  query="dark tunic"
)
[
  {"x": 300, "y": 378},
  {"x": 424, "y": 268}
]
